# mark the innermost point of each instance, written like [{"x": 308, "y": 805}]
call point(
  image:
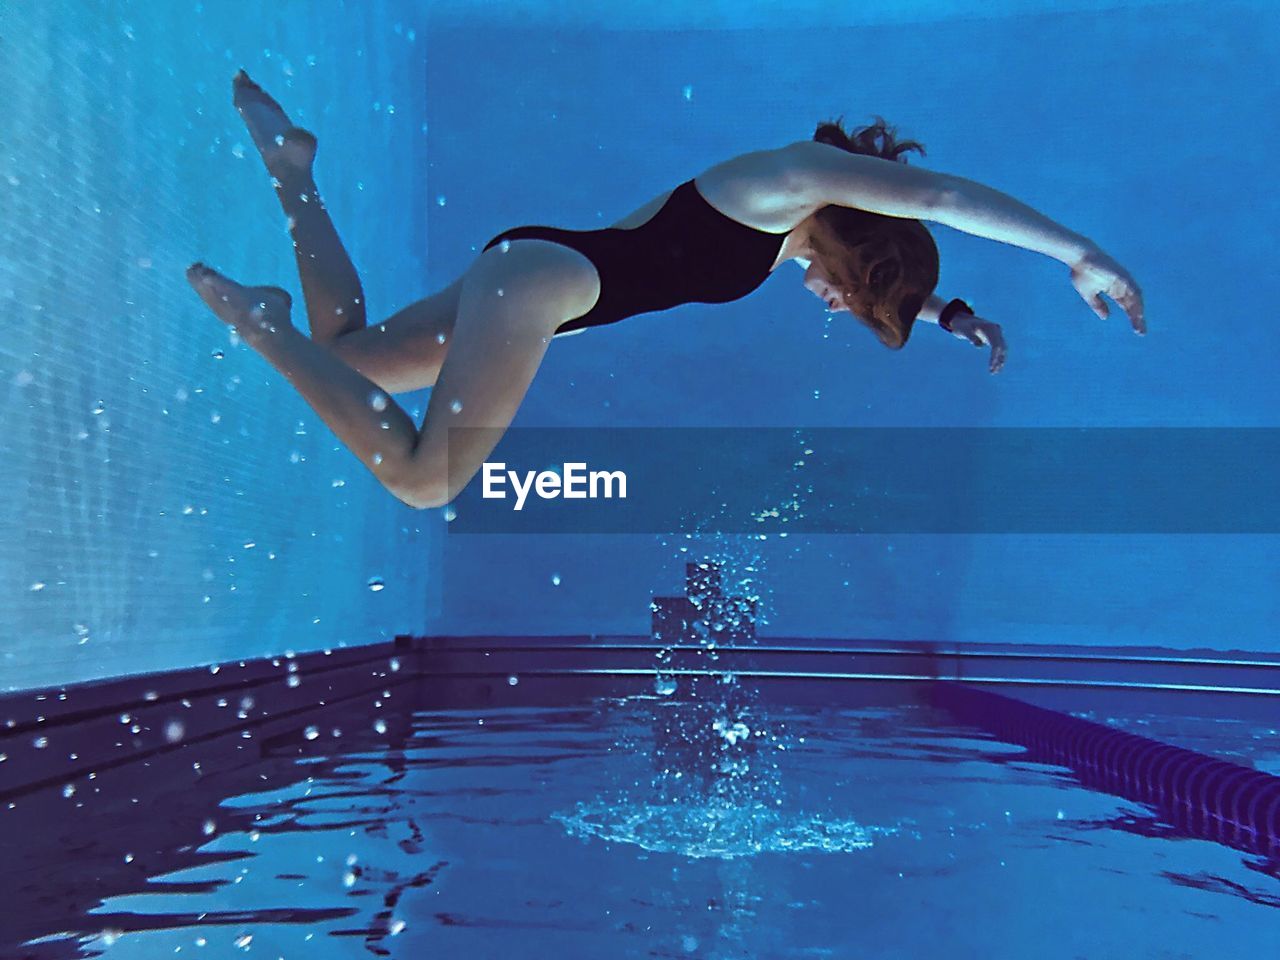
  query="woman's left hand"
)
[
  {"x": 1095, "y": 273},
  {"x": 981, "y": 333}
]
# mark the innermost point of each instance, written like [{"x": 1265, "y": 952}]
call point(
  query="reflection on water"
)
[
  {"x": 444, "y": 834},
  {"x": 178, "y": 832}
]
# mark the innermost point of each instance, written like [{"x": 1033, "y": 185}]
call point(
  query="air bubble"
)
[
  {"x": 665, "y": 686},
  {"x": 377, "y": 584}
]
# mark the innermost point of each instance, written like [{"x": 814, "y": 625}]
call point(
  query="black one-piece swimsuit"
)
[{"x": 688, "y": 252}]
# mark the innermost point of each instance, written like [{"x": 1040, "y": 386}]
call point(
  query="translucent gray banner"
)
[{"x": 874, "y": 480}]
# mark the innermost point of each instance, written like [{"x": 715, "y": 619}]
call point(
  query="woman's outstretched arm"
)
[
  {"x": 821, "y": 174},
  {"x": 977, "y": 209},
  {"x": 824, "y": 174}
]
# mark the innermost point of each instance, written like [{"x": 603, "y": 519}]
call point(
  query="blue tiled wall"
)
[{"x": 164, "y": 507}]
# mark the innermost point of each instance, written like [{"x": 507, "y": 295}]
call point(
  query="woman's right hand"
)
[
  {"x": 1095, "y": 274},
  {"x": 981, "y": 333}
]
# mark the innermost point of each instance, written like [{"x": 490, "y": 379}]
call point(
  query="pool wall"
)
[
  {"x": 169, "y": 507},
  {"x": 62, "y": 734},
  {"x": 166, "y": 507}
]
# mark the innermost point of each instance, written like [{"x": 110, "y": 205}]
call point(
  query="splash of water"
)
[
  {"x": 715, "y": 789},
  {"x": 716, "y": 829}
]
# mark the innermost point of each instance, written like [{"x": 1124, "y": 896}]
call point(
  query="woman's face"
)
[
  {"x": 819, "y": 282},
  {"x": 825, "y": 287},
  {"x": 866, "y": 278}
]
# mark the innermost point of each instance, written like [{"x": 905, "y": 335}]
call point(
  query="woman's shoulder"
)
[
  {"x": 753, "y": 188},
  {"x": 756, "y": 188}
]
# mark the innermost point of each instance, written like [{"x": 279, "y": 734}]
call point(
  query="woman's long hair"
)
[{"x": 886, "y": 266}]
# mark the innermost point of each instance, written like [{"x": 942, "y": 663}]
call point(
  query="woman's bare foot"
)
[
  {"x": 286, "y": 150},
  {"x": 254, "y": 312}
]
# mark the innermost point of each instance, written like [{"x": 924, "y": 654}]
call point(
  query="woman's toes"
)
[
  {"x": 269, "y": 126},
  {"x": 198, "y": 274},
  {"x": 214, "y": 289},
  {"x": 245, "y": 93}
]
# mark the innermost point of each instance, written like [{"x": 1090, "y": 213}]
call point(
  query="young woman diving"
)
[{"x": 840, "y": 205}]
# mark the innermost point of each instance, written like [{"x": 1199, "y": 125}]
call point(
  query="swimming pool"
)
[
  {"x": 523, "y": 770},
  {"x": 711, "y": 822}
]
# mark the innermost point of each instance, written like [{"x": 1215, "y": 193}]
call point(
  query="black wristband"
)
[{"x": 950, "y": 310}]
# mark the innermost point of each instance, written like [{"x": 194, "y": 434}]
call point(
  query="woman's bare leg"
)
[
  {"x": 330, "y": 284},
  {"x": 403, "y": 352},
  {"x": 500, "y": 339}
]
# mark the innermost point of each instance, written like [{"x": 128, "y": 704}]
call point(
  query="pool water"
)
[{"x": 641, "y": 827}]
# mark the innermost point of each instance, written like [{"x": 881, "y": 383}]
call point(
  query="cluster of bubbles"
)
[{"x": 716, "y": 788}]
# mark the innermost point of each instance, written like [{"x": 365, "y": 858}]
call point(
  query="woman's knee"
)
[
  {"x": 420, "y": 485},
  {"x": 426, "y": 498}
]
